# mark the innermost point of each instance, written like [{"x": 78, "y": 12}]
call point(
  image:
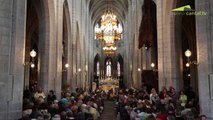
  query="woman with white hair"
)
[{"x": 154, "y": 98}]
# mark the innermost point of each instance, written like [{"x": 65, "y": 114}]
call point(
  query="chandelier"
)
[
  {"x": 109, "y": 30},
  {"x": 109, "y": 50}
]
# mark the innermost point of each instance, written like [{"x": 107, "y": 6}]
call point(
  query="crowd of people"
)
[
  {"x": 168, "y": 104},
  {"x": 78, "y": 105},
  {"x": 131, "y": 104}
]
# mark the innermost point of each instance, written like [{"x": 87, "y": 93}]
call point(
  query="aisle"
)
[{"x": 109, "y": 111}]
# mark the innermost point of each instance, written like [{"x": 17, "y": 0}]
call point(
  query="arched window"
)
[
  {"x": 108, "y": 69},
  {"x": 119, "y": 69},
  {"x": 98, "y": 69}
]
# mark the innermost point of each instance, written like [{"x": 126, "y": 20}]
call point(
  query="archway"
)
[
  {"x": 65, "y": 63},
  {"x": 32, "y": 40},
  {"x": 40, "y": 23},
  {"x": 97, "y": 72},
  {"x": 120, "y": 70},
  {"x": 35, "y": 39},
  {"x": 109, "y": 67}
]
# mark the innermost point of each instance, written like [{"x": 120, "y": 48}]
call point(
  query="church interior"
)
[{"x": 106, "y": 60}]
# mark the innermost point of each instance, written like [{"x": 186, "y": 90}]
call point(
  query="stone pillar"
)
[
  {"x": 50, "y": 47},
  {"x": 168, "y": 52},
  {"x": 205, "y": 56},
  {"x": 74, "y": 67},
  {"x": 59, "y": 46},
  {"x": 78, "y": 59},
  {"x": 128, "y": 66},
  {"x": 91, "y": 59},
  {"x": 44, "y": 52},
  {"x": 12, "y": 44}
]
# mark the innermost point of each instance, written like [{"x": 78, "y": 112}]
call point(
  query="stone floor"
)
[{"x": 109, "y": 111}]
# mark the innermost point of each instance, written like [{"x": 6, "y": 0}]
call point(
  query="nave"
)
[{"x": 53, "y": 47}]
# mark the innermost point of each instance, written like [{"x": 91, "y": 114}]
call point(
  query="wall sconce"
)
[
  {"x": 152, "y": 65},
  {"x": 66, "y": 65},
  {"x": 32, "y": 65},
  {"x": 139, "y": 69},
  {"x": 187, "y": 64},
  {"x": 33, "y": 55},
  {"x": 79, "y": 69},
  {"x": 188, "y": 54}
]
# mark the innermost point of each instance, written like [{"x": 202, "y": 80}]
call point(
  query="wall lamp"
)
[
  {"x": 188, "y": 54},
  {"x": 33, "y": 55},
  {"x": 152, "y": 65},
  {"x": 139, "y": 69},
  {"x": 66, "y": 65}
]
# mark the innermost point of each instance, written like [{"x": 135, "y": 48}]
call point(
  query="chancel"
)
[{"x": 106, "y": 59}]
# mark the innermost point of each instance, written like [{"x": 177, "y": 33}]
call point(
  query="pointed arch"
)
[
  {"x": 66, "y": 43},
  {"x": 97, "y": 65},
  {"x": 121, "y": 62},
  {"x": 46, "y": 29}
]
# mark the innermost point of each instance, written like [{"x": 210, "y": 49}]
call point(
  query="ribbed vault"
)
[{"x": 97, "y": 8}]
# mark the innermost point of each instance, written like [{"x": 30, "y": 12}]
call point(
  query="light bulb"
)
[
  {"x": 32, "y": 65},
  {"x": 187, "y": 64},
  {"x": 67, "y": 65},
  {"x": 152, "y": 65},
  {"x": 188, "y": 53},
  {"x": 33, "y": 53},
  {"x": 139, "y": 69}
]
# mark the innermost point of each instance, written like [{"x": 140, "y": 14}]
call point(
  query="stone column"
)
[
  {"x": 50, "y": 47},
  {"x": 59, "y": 46},
  {"x": 168, "y": 52},
  {"x": 12, "y": 44},
  {"x": 204, "y": 27},
  {"x": 74, "y": 67}
]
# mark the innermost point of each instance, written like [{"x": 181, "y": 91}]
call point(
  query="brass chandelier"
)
[{"x": 109, "y": 30}]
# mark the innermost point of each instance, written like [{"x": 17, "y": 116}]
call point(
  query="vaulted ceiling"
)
[{"x": 97, "y": 8}]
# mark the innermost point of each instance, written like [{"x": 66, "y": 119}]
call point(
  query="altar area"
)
[{"x": 109, "y": 84}]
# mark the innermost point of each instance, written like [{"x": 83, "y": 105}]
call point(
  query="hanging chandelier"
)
[
  {"x": 109, "y": 30},
  {"x": 109, "y": 50}
]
